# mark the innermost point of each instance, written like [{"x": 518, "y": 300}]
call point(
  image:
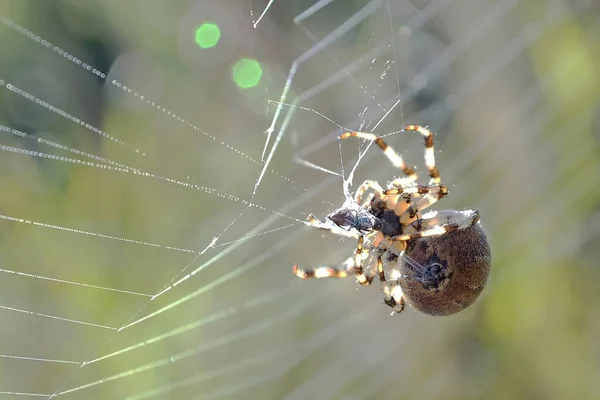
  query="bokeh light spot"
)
[
  {"x": 247, "y": 73},
  {"x": 207, "y": 35}
]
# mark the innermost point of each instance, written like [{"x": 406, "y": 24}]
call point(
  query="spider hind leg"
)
[
  {"x": 352, "y": 266},
  {"x": 393, "y": 296}
]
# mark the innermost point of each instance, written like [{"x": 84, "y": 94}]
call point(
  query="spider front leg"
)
[
  {"x": 390, "y": 153},
  {"x": 397, "y": 160},
  {"x": 429, "y": 151},
  {"x": 368, "y": 184}
]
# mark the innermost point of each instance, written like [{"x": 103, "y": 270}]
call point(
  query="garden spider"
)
[{"x": 438, "y": 262}]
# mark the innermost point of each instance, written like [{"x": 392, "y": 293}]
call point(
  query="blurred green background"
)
[{"x": 170, "y": 162}]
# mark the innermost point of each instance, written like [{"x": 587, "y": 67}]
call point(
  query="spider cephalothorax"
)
[{"x": 438, "y": 261}]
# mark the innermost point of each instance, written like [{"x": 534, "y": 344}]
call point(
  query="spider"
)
[{"x": 437, "y": 262}]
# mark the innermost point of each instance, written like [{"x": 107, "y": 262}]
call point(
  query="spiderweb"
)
[{"x": 159, "y": 161}]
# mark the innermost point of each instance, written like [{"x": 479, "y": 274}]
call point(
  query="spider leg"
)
[
  {"x": 352, "y": 266},
  {"x": 391, "y": 154},
  {"x": 397, "y": 160},
  {"x": 325, "y": 271},
  {"x": 429, "y": 151},
  {"x": 408, "y": 202},
  {"x": 418, "y": 203},
  {"x": 392, "y": 292},
  {"x": 368, "y": 184},
  {"x": 361, "y": 278},
  {"x": 437, "y": 223},
  {"x": 400, "y": 186},
  {"x": 446, "y": 218}
]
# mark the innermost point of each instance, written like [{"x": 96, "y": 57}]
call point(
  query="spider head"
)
[{"x": 358, "y": 218}]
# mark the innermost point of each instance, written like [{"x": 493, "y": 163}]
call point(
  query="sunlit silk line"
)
[
  {"x": 341, "y": 30},
  {"x": 30, "y": 35},
  {"x": 283, "y": 351},
  {"x": 194, "y": 186},
  {"x": 50, "y": 143},
  {"x": 87, "y": 233},
  {"x": 46, "y": 360},
  {"x": 55, "y": 317},
  {"x": 25, "y": 394},
  {"x": 87, "y": 285},
  {"x": 393, "y": 44},
  {"x": 276, "y": 294},
  {"x": 247, "y": 266},
  {"x": 50, "y": 46},
  {"x": 263, "y": 13},
  {"x": 255, "y": 235},
  {"x": 303, "y": 350},
  {"x": 254, "y": 329},
  {"x": 311, "y": 10},
  {"x": 182, "y": 120},
  {"x": 320, "y": 114},
  {"x": 285, "y": 354},
  {"x": 68, "y": 116},
  {"x": 316, "y": 167}
]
